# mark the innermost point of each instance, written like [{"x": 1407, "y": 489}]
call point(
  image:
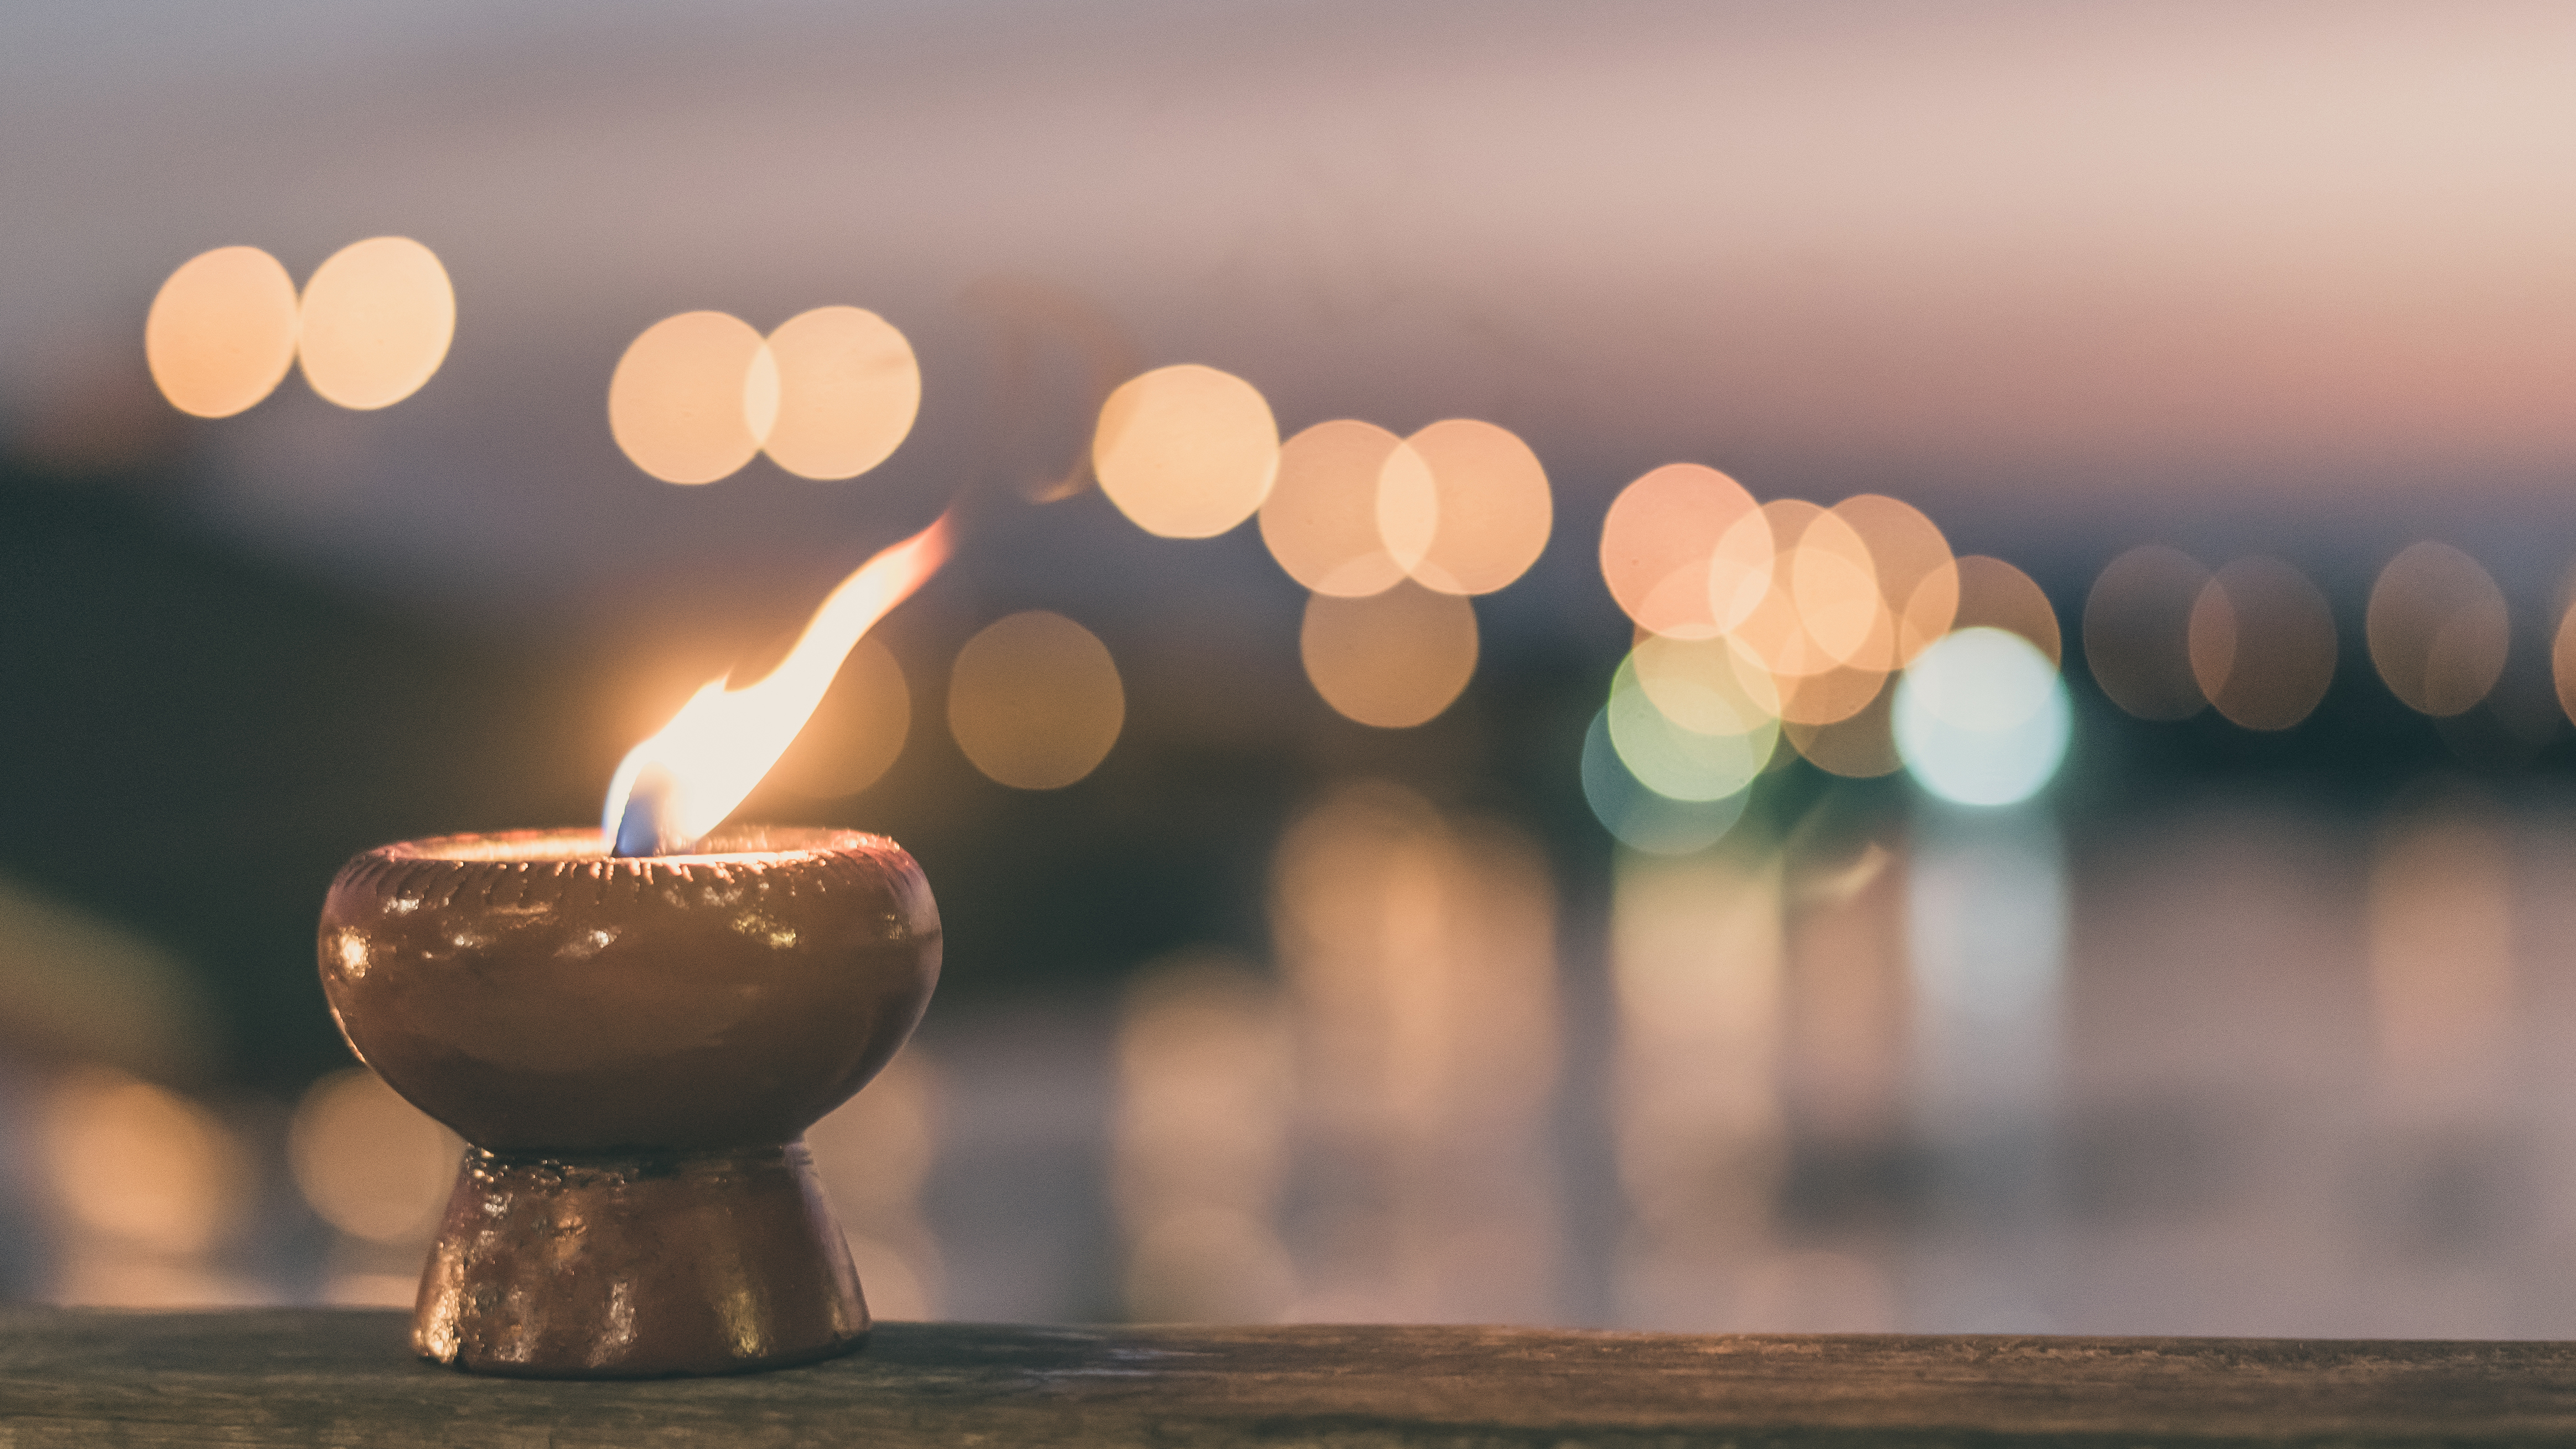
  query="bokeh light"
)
[
  {"x": 139, "y": 1163},
  {"x": 1321, "y": 518},
  {"x": 2562, "y": 661},
  {"x": 1186, "y": 451},
  {"x": 1659, "y": 537},
  {"x": 848, "y": 388},
  {"x": 856, "y": 733},
  {"x": 1757, "y": 604},
  {"x": 2137, "y": 632},
  {"x": 1917, "y": 581},
  {"x": 1995, "y": 595},
  {"x": 1489, "y": 512},
  {"x": 1821, "y": 602},
  {"x": 79, "y": 985},
  {"x": 679, "y": 402},
  {"x": 2262, "y": 643},
  {"x": 221, "y": 332},
  {"x": 1981, "y": 717},
  {"x": 1743, "y": 569},
  {"x": 1834, "y": 583},
  {"x": 1706, "y": 685},
  {"x": 1859, "y": 746},
  {"x": 1813, "y": 616},
  {"x": 1034, "y": 700},
  {"x": 377, "y": 318},
  {"x": 1393, "y": 659},
  {"x": 1829, "y": 697},
  {"x": 1684, "y": 763},
  {"x": 1642, "y": 819},
  {"x": 373, "y": 1165},
  {"x": 2437, "y": 629}
]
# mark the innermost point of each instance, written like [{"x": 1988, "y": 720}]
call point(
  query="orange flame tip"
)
[{"x": 695, "y": 770}]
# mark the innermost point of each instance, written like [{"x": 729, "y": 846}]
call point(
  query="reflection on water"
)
[
  {"x": 2443, "y": 1183},
  {"x": 1985, "y": 936},
  {"x": 1695, "y": 963},
  {"x": 1420, "y": 957},
  {"x": 1883, "y": 1064},
  {"x": 1205, "y": 1087},
  {"x": 1986, "y": 907},
  {"x": 2441, "y": 960}
]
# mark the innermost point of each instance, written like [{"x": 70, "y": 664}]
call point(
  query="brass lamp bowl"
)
[{"x": 633, "y": 1047}]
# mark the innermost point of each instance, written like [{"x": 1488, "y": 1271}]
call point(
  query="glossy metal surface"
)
[
  {"x": 637, "y": 1266},
  {"x": 634, "y": 1045}
]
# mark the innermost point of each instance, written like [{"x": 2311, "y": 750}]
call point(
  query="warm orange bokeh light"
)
[
  {"x": 856, "y": 732},
  {"x": 680, "y": 400},
  {"x": 1829, "y": 696},
  {"x": 1034, "y": 700},
  {"x": 2562, "y": 661},
  {"x": 1392, "y": 660},
  {"x": 1912, "y": 561},
  {"x": 1489, "y": 515},
  {"x": 373, "y": 1165},
  {"x": 1706, "y": 686},
  {"x": 1834, "y": 582},
  {"x": 2437, "y": 629},
  {"x": 716, "y": 750},
  {"x": 1186, "y": 451},
  {"x": 1860, "y": 746},
  {"x": 1928, "y": 613},
  {"x": 221, "y": 333},
  {"x": 1819, "y": 611},
  {"x": 136, "y": 1162},
  {"x": 2137, "y": 624},
  {"x": 1995, "y": 595},
  {"x": 1744, "y": 567},
  {"x": 848, "y": 388},
  {"x": 1754, "y": 603},
  {"x": 1321, "y": 518},
  {"x": 2262, "y": 643},
  {"x": 1408, "y": 508},
  {"x": 377, "y": 319},
  {"x": 1659, "y": 537}
]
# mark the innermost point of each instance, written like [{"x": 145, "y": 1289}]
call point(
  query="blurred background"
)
[{"x": 2105, "y": 862}]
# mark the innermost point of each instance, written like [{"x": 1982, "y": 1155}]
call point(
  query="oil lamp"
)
[{"x": 632, "y": 1027}]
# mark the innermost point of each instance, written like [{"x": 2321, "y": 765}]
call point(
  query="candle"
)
[{"x": 632, "y": 1028}]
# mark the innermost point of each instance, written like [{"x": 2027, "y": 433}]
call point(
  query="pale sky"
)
[{"x": 2014, "y": 260}]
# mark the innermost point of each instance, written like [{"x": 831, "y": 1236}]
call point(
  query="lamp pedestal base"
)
[{"x": 637, "y": 1266}]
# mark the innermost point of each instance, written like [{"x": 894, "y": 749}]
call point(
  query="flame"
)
[{"x": 692, "y": 773}]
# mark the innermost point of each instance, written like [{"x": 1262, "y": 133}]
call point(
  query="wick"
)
[{"x": 646, "y": 827}]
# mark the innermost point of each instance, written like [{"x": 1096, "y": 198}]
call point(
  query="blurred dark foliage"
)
[{"x": 192, "y": 742}]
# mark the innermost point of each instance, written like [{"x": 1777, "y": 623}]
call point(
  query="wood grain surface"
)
[{"x": 317, "y": 1377}]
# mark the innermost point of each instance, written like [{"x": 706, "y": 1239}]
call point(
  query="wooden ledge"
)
[{"x": 318, "y": 1377}]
